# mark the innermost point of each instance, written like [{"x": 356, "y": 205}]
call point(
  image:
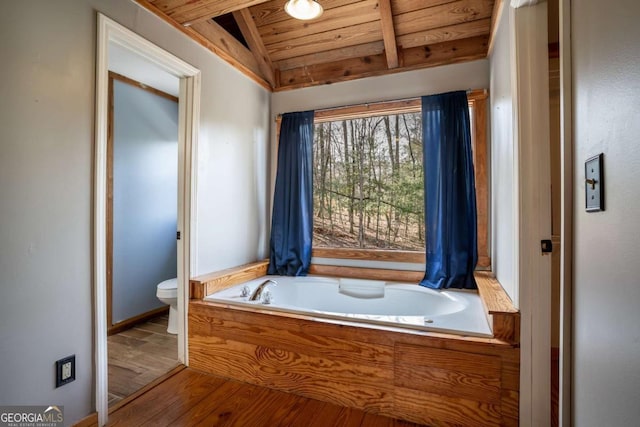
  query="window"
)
[{"x": 368, "y": 181}]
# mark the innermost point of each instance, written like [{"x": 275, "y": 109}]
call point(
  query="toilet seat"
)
[{"x": 168, "y": 289}]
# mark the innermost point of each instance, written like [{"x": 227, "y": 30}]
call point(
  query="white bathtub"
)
[{"x": 405, "y": 305}]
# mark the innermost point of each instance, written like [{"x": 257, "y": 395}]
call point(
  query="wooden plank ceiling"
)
[{"x": 352, "y": 39}]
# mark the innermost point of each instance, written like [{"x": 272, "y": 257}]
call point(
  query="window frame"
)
[{"x": 478, "y": 104}]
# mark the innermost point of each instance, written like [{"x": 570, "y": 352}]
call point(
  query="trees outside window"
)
[{"x": 368, "y": 183}]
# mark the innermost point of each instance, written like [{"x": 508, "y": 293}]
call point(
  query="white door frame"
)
[
  {"x": 530, "y": 87},
  {"x": 566, "y": 212},
  {"x": 110, "y": 31}
]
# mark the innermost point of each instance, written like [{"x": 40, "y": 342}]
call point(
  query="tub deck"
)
[{"x": 423, "y": 377}]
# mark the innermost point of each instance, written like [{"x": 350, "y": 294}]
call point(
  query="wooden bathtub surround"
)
[
  {"x": 419, "y": 376},
  {"x": 423, "y": 377},
  {"x": 207, "y": 284},
  {"x": 370, "y": 254},
  {"x": 366, "y": 273},
  {"x": 503, "y": 317}
]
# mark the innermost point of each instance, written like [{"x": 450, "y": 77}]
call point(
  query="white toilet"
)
[{"x": 168, "y": 293}]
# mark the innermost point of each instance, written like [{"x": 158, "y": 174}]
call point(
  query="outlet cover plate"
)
[
  {"x": 594, "y": 183},
  {"x": 65, "y": 370}
]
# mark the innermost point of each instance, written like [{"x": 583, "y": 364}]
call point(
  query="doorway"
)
[
  {"x": 142, "y": 207},
  {"x": 111, "y": 34}
]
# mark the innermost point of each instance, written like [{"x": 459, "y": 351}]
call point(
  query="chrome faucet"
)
[{"x": 257, "y": 293}]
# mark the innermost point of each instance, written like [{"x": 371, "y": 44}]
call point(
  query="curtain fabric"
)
[
  {"x": 292, "y": 221},
  {"x": 449, "y": 192}
]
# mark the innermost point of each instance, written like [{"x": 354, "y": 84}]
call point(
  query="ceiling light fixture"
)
[{"x": 303, "y": 9}]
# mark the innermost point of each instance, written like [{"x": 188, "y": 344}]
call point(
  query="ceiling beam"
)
[
  {"x": 200, "y": 10},
  {"x": 252, "y": 36},
  {"x": 388, "y": 33}
]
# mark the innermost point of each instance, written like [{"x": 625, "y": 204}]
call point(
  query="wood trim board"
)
[
  {"x": 207, "y": 284},
  {"x": 141, "y": 318},
  {"x": 370, "y": 254}
]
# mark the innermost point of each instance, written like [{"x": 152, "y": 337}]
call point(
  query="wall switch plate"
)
[
  {"x": 594, "y": 183},
  {"x": 65, "y": 370}
]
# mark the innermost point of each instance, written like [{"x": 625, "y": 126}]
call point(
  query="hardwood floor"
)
[
  {"x": 138, "y": 356},
  {"x": 193, "y": 398}
]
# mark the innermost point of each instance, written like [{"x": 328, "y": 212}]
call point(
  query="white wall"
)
[
  {"x": 46, "y": 180},
  {"x": 503, "y": 209},
  {"x": 145, "y": 198},
  {"x": 606, "y": 313}
]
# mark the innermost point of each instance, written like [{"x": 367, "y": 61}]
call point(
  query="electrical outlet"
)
[{"x": 65, "y": 370}]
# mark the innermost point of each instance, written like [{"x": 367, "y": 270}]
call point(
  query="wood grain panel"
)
[
  {"x": 367, "y": 273},
  {"x": 405, "y": 6},
  {"x": 358, "y": 51},
  {"x": 297, "y": 335},
  {"x": 355, "y": 13},
  {"x": 448, "y": 373},
  {"x": 446, "y": 53},
  {"x": 371, "y": 254},
  {"x": 412, "y": 105},
  {"x": 251, "y": 364},
  {"x": 506, "y": 326},
  {"x": 207, "y": 284},
  {"x": 273, "y": 11},
  {"x": 199, "y": 10},
  {"x": 480, "y": 163},
  {"x": 265, "y": 361},
  {"x": 443, "y": 15},
  {"x": 414, "y": 355},
  {"x": 419, "y": 376},
  {"x": 494, "y": 296},
  {"x": 437, "y": 410},
  {"x": 501, "y": 313},
  {"x": 510, "y": 403},
  {"x": 449, "y": 383},
  {"x": 443, "y": 34},
  {"x": 374, "y": 65},
  {"x": 329, "y": 40},
  {"x": 510, "y": 375}
]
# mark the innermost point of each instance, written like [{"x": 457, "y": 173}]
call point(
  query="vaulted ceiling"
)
[{"x": 352, "y": 39}]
